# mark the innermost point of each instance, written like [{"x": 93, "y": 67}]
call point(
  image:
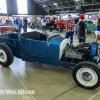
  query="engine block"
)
[{"x": 70, "y": 53}]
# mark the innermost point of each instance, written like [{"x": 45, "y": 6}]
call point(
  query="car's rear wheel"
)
[
  {"x": 87, "y": 75},
  {"x": 6, "y": 55}
]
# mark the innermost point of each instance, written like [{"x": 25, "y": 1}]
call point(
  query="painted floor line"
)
[
  {"x": 64, "y": 92},
  {"x": 24, "y": 85},
  {"x": 94, "y": 96}
]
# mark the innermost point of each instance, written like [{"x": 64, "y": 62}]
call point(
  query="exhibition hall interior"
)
[{"x": 49, "y": 49}]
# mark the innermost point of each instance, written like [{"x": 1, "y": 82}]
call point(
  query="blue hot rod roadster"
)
[{"x": 54, "y": 50}]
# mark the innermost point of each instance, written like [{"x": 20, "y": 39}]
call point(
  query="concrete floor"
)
[{"x": 49, "y": 82}]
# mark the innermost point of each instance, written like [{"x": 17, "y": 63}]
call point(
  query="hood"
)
[{"x": 57, "y": 39}]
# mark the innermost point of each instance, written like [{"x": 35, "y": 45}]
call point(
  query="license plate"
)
[{"x": 9, "y": 31}]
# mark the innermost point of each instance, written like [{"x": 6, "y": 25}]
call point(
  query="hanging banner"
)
[
  {"x": 7, "y": 17},
  {"x": 35, "y": 18}
]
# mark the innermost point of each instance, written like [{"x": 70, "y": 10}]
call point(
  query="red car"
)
[
  {"x": 7, "y": 29},
  {"x": 61, "y": 25}
]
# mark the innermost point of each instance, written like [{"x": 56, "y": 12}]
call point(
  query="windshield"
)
[{"x": 53, "y": 34}]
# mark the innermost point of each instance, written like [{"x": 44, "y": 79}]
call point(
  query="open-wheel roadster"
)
[{"x": 54, "y": 50}]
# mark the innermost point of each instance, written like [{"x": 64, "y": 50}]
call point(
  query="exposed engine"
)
[
  {"x": 80, "y": 52},
  {"x": 71, "y": 53}
]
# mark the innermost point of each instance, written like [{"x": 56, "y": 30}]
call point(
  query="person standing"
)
[
  {"x": 81, "y": 31},
  {"x": 43, "y": 24},
  {"x": 20, "y": 24},
  {"x": 17, "y": 23},
  {"x": 13, "y": 21},
  {"x": 70, "y": 28},
  {"x": 25, "y": 25},
  {"x": 3, "y": 21},
  {"x": 97, "y": 31},
  {"x": 53, "y": 21}
]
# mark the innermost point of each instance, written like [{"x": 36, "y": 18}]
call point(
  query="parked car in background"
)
[
  {"x": 61, "y": 25},
  {"x": 35, "y": 24},
  {"x": 7, "y": 29},
  {"x": 49, "y": 23},
  {"x": 90, "y": 26},
  {"x": 58, "y": 25}
]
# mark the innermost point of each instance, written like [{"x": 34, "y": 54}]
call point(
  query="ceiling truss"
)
[{"x": 68, "y": 5}]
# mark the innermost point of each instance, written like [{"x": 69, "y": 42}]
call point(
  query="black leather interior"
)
[{"x": 33, "y": 35}]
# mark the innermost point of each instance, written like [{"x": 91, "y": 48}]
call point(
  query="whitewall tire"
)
[
  {"x": 6, "y": 55},
  {"x": 87, "y": 75}
]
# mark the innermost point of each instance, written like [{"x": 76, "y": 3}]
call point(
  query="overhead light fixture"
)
[
  {"x": 77, "y": 0},
  {"x": 55, "y": 4},
  {"x": 44, "y": 5}
]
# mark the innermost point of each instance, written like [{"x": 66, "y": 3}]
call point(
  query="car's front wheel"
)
[
  {"x": 87, "y": 75},
  {"x": 6, "y": 55}
]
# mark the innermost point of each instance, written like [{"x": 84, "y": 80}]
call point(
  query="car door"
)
[{"x": 38, "y": 48}]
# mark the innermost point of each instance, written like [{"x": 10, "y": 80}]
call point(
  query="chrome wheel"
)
[{"x": 87, "y": 76}]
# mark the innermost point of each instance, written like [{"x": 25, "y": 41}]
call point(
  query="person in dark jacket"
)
[
  {"x": 20, "y": 24},
  {"x": 43, "y": 24},
  {"x": 81, "y": 31},
  {"x": 25, "y": 25}
]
